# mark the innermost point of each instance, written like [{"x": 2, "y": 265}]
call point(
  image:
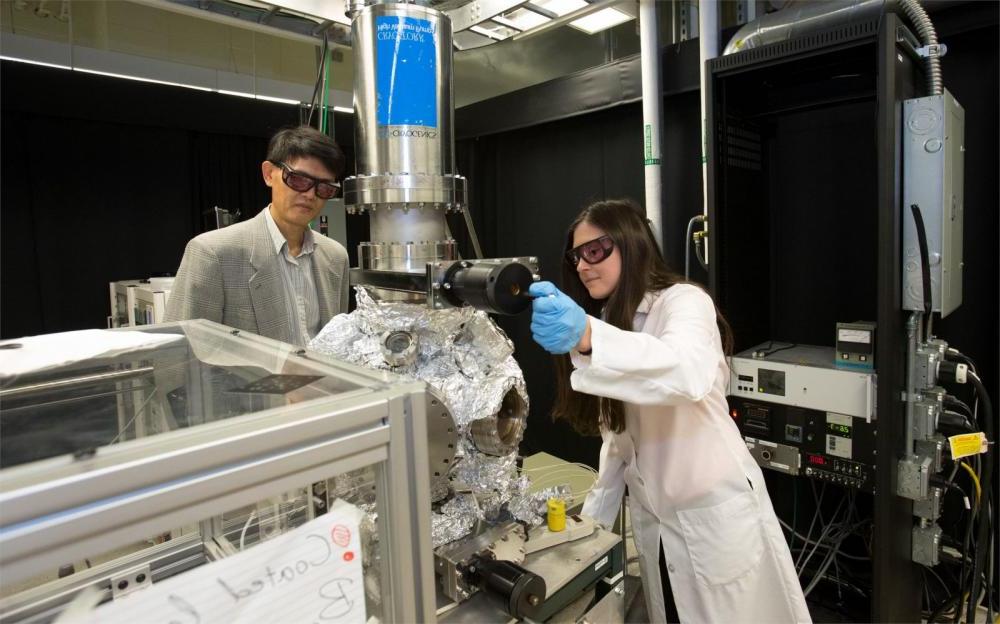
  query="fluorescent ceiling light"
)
[
  {"x": 29, "y": 62},
  {"x": 162, "y": 82},
  {"x": 493, "y": 31},
  {"x": 238, "y": 94},
  {"x": 343, "y": 109},
  {"x": 251, "y": 96},
  {"x": 268, "y": 98},
  {"x": 561, "y": 7},
  {"x": 521, "y": 19},
  {"x": 601, "y": 20}
]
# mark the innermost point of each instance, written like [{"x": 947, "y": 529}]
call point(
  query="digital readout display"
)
[{"x": 838, "y": 429}]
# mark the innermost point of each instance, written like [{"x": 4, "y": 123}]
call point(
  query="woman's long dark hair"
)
[{"x": 643, "y": 270}]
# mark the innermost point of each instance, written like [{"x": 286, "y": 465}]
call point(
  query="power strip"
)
[{"x": 540, "y": 537}]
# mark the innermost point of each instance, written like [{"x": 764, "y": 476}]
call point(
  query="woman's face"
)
[{"x": 600, "y": 278}]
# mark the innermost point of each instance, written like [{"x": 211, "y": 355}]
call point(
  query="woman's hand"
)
[{"x": 557, "y": 323}]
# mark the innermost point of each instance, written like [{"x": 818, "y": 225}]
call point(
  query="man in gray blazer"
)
[{"x": 272, "y": 275}]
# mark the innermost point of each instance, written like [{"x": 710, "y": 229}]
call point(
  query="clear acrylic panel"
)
[
  {"x": 203, "y": 376},
  {"x": 169, "y": 555}
]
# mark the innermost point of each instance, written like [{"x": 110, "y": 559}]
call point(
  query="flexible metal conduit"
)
[
  {"x": 807, "y": 17},
  {"x": 925, "y": 28},
  {"x": 799, "y": 19}
]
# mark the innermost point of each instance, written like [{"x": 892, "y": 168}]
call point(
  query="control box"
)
[
  {"x": 933, "y": 179},
  {"x": 797, "y": 441},
  {"x": 801, "y": 415},
  {"x": 802, "y": 376}
]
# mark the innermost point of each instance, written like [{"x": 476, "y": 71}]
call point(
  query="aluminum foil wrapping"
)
[
  {"x": 356, "y": 487},
  {"x": 469, "y": 361},
  {"x": 531, "y": 508},
  {"x": 455, "y": 519}
]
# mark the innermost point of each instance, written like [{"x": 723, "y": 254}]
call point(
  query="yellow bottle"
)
[{"x": 557, "y": 515}]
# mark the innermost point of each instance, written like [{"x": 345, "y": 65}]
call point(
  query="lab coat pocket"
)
[{"x": 724, "y": 541}]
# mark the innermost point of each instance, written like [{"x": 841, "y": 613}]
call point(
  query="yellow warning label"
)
[{"x": 967, "y": 444}]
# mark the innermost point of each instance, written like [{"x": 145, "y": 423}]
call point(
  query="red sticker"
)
[
  {"x": 341, "y": 535},
  {"x": 348, "y": 556}
]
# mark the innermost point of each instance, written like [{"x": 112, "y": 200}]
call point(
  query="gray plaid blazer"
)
[{"x": 232, "y": 276}]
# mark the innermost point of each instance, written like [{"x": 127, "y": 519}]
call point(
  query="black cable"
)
[
  {"x": 966, "y": 543},
  {"x": 933, "y": 617},
  {"x": 925, "y": 263},
  {"x": 953, "y": 402},
  {"x": 953, "y": 354},
  {"x": 948, "y": 485},
  {"x": 771, "y": 350},
  {"x": 955, "y": 420},
  {"x": 982, "y": 538},
  {"x": 989, "y": 575}
]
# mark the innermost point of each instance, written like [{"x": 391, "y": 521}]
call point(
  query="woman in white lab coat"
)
[{"x": 645, "y": 367}]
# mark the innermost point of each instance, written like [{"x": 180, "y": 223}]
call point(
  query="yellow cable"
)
[{"x": 975, "y": 481}]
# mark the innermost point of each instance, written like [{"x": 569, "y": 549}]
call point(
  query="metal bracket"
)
[
  {"x": 401, "y": 281},
  {"x": 932, "y": 449},
  {"x": 929, "y": 509},
  {"x": 913, "y": 480},
  {"x": 926, "y": 545},
  {"x": 925, "y": 418},
  {"x": 908, "y": 41},
  {"x": 932, "y": 51},
  {"x": 130, "y": 581},
  {"x": 688, "y": 19}
]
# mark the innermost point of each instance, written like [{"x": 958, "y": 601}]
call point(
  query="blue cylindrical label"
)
[{"x": 406, "y": 64}]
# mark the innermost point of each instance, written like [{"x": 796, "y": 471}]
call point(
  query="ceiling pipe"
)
[{"x": 802, "y": 18}]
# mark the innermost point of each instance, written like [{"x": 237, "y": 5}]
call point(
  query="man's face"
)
[{"x": 291, "y": 206}]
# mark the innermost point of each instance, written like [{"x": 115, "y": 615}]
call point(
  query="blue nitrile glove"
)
[{"x": 557, "y": 322}]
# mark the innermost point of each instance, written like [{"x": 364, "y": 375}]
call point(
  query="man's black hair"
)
[{"x": 304, "y": 142}]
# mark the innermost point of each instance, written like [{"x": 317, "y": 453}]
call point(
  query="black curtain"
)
[
  {"x": 527, "y": 185},
  {"x": 107, "y": 179}
]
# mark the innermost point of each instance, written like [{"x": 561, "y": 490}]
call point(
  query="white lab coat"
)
[{"x": 692, "y": 483}]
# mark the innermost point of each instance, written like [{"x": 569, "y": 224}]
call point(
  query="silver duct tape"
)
[
  {"x": 532, "y": 508},
  {"x": 455, "y": 520}
]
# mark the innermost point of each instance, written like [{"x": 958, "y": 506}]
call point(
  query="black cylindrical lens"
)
[{"x": 497, "y": 288}]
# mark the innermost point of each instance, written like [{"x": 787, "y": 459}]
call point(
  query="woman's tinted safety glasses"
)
[
  {"x": 302, "y": 182},
  {"x": 593, "y": 252}
]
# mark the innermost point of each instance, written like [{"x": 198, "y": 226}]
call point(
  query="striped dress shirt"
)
[{"x": 301, "y": 298}]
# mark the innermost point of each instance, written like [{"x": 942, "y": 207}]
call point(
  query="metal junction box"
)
[{"x": 933, "y": 179}]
